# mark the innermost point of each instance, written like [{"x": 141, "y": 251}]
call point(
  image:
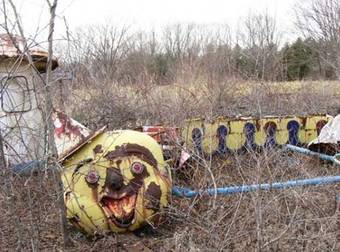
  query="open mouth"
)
[{"x": 120, "y": 210}]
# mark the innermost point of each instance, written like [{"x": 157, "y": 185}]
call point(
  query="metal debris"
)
[
  {"x": 70, "y": 135},
  {"x": 13, "y": 46},
  {"x": 328, "y": 141}
]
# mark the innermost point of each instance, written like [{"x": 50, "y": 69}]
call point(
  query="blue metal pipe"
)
[
  {"x": 335, "y": 159},
  {"x": 188, "y": 193}
]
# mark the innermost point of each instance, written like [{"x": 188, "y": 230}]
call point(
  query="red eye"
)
[
  {"x": 92, "y": 177},
  {"x": 137, "y": 168}
]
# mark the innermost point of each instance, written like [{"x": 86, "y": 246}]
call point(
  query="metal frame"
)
[{"x": 4, "y": 85}]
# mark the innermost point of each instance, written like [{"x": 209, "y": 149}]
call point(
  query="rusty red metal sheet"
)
[
  {"x": 70, "y": 135},
  {"x": 162, "y": 134},
  {"x": 13, "y": 46}
]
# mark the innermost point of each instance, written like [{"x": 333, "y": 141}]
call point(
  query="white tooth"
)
[{"x": 126, "y": 205}]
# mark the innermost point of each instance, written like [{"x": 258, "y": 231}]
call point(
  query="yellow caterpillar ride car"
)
[{"x": 118, "y": 181}]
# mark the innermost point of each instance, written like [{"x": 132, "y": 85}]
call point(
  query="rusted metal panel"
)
[
  {"x": 231, "y": 134},
  {"x": 162, "y": 133},
  {"x": 70, "y": 135},
  {"x": 13, "y": 46}
]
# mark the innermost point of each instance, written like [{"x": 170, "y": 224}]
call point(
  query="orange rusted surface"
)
[
  {"x": 162, "y": 134},
  {"x": 13, "y": 46}
]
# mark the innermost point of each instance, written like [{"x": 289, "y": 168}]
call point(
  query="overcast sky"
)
[{"x": 151, "y": 14}]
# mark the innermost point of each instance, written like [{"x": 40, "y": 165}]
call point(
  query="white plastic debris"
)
[{"x": 330, "y": 133}]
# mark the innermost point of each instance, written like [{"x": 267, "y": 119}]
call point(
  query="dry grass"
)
[
  {"x": 130, "y": 106},
  {"x": 301, "y": 219}
]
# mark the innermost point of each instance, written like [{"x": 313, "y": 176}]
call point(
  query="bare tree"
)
[
  {"x": 260, "y": 38},
  {"x": 320, "y": 22},
  {"x": 50, "y": 147},
  {"x": 53, "y": 153},
  {"x": 100, "y": 50}
]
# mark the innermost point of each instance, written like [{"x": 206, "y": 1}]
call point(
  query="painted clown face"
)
[{"x": 117, "y": 182}]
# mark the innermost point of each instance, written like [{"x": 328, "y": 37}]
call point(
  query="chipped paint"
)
[
  {"x": 153, "y": 195},
  {"x": 265, "y": 132},
  {"x": 131, "y": 190},
  {"x": 70, "y": 135},
  {"x": 98, "y": 149},
  {"x": 13, "y": 46},
  {"x": 132, "y": 149},
  {"x": 167, "y": 137},
  {"x": 21, "y": 116}
]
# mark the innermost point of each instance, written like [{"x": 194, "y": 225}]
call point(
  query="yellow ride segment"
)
[
  {"x": 236, "y": 137},
  {"x": 83, "y": 200}
]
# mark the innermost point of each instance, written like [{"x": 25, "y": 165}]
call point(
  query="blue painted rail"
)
[
  {"x": 188, "y": 193},
  {"x": 335, "y": 159}
]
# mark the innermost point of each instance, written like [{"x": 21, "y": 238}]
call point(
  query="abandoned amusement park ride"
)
[{"x": 121, "y": 180}]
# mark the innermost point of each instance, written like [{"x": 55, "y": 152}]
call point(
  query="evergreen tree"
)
[{"x": 297, "y": 59}]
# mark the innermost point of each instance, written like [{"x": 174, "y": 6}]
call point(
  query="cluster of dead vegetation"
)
[
  {"x": 305, "y": 219},
  {"x": 129, "y": 107},
  {"x": 302, "y": 219}
]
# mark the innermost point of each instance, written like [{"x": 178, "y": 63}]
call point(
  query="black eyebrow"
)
[{"x": 82, "y": 163}]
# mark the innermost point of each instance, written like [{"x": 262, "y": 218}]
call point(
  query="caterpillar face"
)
[{"x": 118, "y": 182}]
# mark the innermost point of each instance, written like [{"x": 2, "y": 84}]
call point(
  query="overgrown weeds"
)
[{"x": 302, "y": 219}]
